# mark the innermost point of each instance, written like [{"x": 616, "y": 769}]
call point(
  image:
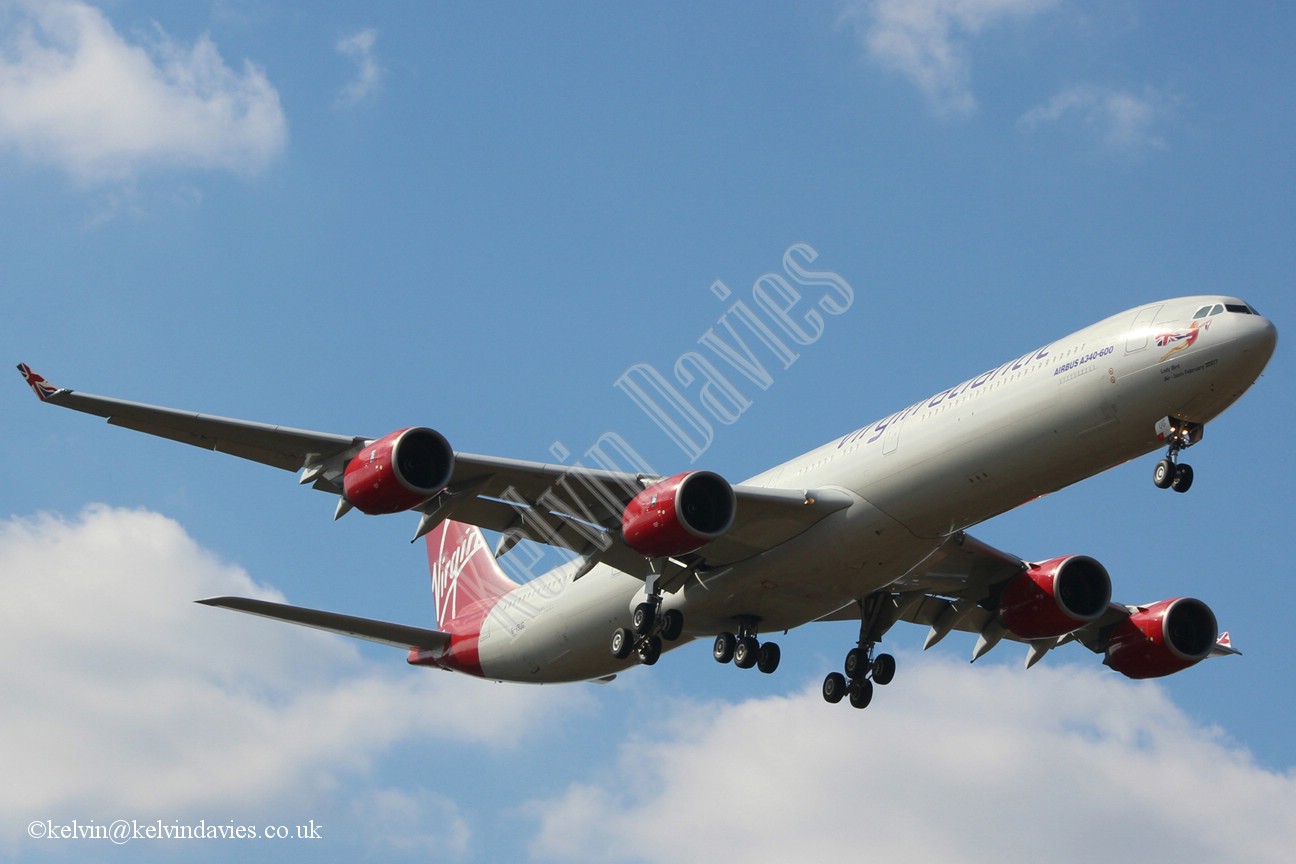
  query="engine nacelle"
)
[
  {"x": 398, "y": 471},
  {"x": 1163, "y": 638},
  {"x": 1055, "y": 597},
  {"x": 679, "y": 515}
]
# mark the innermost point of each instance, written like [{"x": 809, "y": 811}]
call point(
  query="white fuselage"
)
[{"x": 1036, "y": 424}]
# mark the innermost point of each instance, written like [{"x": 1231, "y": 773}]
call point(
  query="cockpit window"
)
[
  {"x": 1219, "y": 309},
  {"x": 1202, "y": 312},
  {"x": 1238, "y": 307}
]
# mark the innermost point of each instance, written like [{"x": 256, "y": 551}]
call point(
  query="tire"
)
[
  {"x": 1163, "y": 474},
  {"x": 770, "y": 654},
  {"x": 643, "y": 618},
  {"x": 649, "y": 650},
  {"x": 1183, "y": 477},
  {"x": 856, "y": 663},
  {"x": 672, "y": 624},
  {"x": 861, "y": 693},
  {"x": 747, "y": 652},
  {"x": 884, "y": 667},
  {"x": 723, "y": 651},
  {"x": 622, "y": 643},
  {"x": 834, "y": 687}
]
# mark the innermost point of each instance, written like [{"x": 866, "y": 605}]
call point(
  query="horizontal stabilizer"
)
[{"x": 396, "y": 635}]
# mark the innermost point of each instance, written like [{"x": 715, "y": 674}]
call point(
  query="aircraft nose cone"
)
[
  {"x": 1257, "y": 339},
  {"x": 1263, "y": 336}
]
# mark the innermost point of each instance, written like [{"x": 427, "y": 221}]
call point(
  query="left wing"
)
[
  {"x": 278, "y": 446},
  {"x": 578, "y": 508},
  {"x": 970, "y": 586}
]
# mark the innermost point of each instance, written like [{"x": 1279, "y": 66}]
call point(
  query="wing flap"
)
[{"x": 382, "y": 632}]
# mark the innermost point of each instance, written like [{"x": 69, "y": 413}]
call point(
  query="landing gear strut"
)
[
  {"x": 862, "y": 668},
  {"x": 745, "y": 650},
  {"x": 1170, "y": 473}
]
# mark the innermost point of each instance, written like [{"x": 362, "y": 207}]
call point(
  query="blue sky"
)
[{"x": 477, "y": 217}]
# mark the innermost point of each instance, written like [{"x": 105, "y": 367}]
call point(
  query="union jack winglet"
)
[
  {"x": 1224, "y": 645},
  {"x": 39, "y": 385}
]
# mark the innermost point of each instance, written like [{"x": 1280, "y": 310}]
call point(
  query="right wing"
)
[{"x": 958, "y": 588}]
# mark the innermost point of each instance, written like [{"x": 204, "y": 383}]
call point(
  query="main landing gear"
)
[
  {"x": 862, "y": 667},
  {"x": 649, "y": 628},
  {"x": 1170, "y": 473},
  {"x": 745, "y": 650}
]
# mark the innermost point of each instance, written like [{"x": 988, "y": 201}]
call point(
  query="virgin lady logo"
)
[{"x": 1181, "y": 339}]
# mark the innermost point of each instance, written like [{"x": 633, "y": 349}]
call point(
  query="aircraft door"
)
[{"x": 1137, "y": 338}]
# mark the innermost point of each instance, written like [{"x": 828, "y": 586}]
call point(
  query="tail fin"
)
[{"x": 467, "y": 581}]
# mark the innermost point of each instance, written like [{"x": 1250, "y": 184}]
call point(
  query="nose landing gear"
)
[{"x": 1169, "y": 472}]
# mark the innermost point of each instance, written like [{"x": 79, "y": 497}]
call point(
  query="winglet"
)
[
  {"x": 42, "y": 388},
  {"x": 1224, "y": 645}
]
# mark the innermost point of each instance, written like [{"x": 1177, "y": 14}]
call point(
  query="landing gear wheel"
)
[
  {"x": 884, "y": 667},
  {"x": 861, "y": 693},
  {"x": 747, "y": 652},
  {"x": 672, "y": 624},
  {"x": 1163, "y": 476},
  {"x": 648, "y": 650},
  {"x": 645, "y": 615},
  {"x": 856, "y": 663},
  {"x": 834, "y": 687},
  {"x": 622, "y": 643},
  {"x": 725, "y": 644},
  {"x": 1181, "y": 434},
  {"x": 769, "y": 657}
]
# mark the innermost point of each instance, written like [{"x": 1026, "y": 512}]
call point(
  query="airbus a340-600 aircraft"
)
[{"x": 868, "y": 527}]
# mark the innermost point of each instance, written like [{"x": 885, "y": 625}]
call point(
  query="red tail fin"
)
[{"x": 466, "y": 579}]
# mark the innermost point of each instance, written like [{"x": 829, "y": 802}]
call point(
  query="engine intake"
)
[
  {"x": 1055, "y": 597},
  {"x": 1163, "y": 638},
  {"x": 398, "y": 471},
  {"x": 678, "y": 515}
]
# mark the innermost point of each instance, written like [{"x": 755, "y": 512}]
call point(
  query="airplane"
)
[{"x": 870, "y": 527}]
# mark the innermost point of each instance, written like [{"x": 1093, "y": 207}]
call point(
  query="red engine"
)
[
  {"x": 1162, "y": 638},
  {"x": 1055, "y": 597},
  {"x": 398, "y": 471},
  {"x": 679, "y": 515}
]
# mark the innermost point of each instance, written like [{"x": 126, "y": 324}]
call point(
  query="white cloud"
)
[
  {"x": 950, "y": 763},
  {"x": 1120, "y": 120},
  {"x": 927, "y": 41},
  {"x": 76, "y": 95},
  {"x": 123, "y": 696},
  {"x": 418, "y": 823},
  {"x": 359, "y": 48}
]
